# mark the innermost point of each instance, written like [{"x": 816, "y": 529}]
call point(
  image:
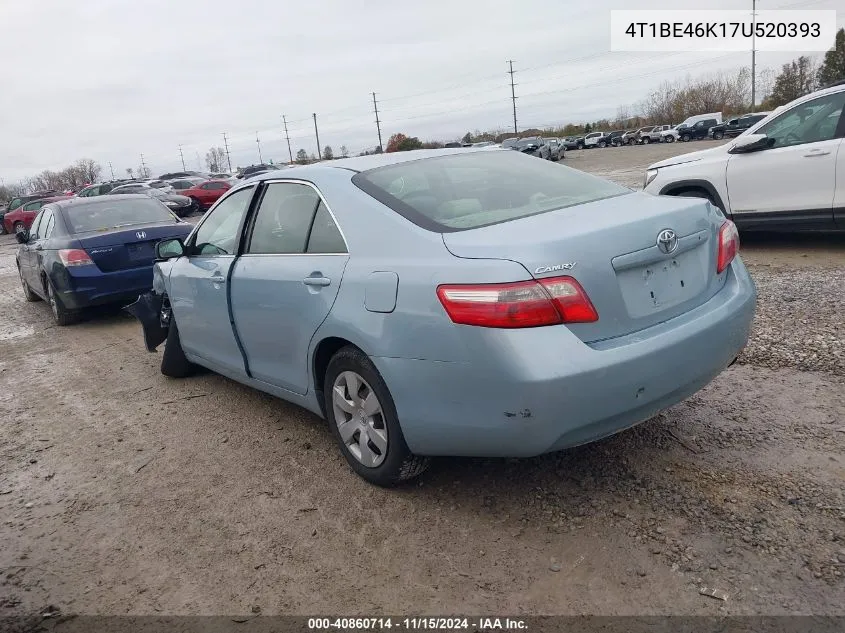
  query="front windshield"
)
[
  {"x": 103, "y": 215},
  {"x": 466, "y": 191}
]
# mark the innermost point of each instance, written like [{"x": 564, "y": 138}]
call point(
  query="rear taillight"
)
[
  {"x": 519, "y": 304},
  {"x": 728, "y": 245},
  {"x": 74, "y": 257}
]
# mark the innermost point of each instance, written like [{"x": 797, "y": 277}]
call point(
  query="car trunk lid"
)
[
  {"x": 611, "y": 248},
  {"x": 131, "y": 247}
]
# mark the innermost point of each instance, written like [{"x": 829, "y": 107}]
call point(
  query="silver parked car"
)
[{"x": 453, "y": 302}]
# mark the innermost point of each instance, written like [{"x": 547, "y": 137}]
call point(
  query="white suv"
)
[{"x": 785, "y": 172}]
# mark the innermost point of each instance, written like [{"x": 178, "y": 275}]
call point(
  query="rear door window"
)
[
  {"x": 325, "y": 237},
  {"x": 284, "y": 218}
]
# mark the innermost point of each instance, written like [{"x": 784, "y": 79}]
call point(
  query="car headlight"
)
[
  {"x": 172, "y": 204},
  {"x": 650, "y": 175}
]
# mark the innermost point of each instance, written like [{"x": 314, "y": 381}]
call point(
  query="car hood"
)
[
  {"x": 689, "y": 158},
  {"x": 172, "y": 197}
]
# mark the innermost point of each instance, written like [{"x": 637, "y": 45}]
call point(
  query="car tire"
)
[
  {"x": 390, "y": 464},
  {"x": 602, "y": 144},
  {"x": 196, "y": 207},
  {"x": 646, "y": 140},
  {"x": 174, "y": 363},
  {"x": 686, "y": 138},
  {"x": 579, "y": 146},
  {"x": 18, "y": 226},
  {"x": 27, "y": 291},
  {"x": 670, "y": 139},
  {"x": 61, "y": 315},
  {"x": 718, "y": 136}
]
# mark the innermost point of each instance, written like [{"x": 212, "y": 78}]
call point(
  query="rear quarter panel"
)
[{"x": 380, "y": 240}]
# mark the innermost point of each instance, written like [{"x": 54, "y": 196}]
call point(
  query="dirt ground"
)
[{"x": 123, "y": 492}]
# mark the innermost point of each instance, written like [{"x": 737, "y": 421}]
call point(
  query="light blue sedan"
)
[{"x": 453, "y": 302}]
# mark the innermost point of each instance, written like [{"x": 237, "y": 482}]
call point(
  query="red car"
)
[
  {"x": 206, "y": 193},
  {"x": 23, "y": 216}
]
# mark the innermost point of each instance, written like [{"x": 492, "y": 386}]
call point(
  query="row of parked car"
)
[
  {"x": 694, "y": 128},
  {"x": 184, "y": 193}
]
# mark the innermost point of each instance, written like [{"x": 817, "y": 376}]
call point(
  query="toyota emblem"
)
[
  {"x": 667, "y": 241},
  {"x": 141, "y": 235}
]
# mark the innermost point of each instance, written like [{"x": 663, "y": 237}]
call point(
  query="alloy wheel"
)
[{"x": 360, "y": 419}]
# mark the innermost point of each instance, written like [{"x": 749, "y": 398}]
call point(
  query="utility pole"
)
[
  {"x": 378, "y": 123},
  {"x": 111, "y": 169},
  {"x": 319, "y": 151},
  {"x": 257, "y": 142},
  {"x": 513, "y": 94},
  {"x": 228, "y": 158},
  {"x": 182, "y": 156},
  {"x": 143, "y": 167},
  {"x": 287, "y": 137},
  {"x": 753, "y": 56}
]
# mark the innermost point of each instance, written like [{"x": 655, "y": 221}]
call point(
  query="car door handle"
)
[
  {"x": 218, "y": 279},
  {"x": 317, "y": 281},
  {"x": 816, "y": 152}
]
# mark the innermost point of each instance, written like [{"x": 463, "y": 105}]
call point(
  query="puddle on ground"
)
[{"x": 7, "y": 334}]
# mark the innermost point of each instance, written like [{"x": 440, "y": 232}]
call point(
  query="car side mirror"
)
[
  {"x": 22, "y": 236},
  {"x": 170, "y": 249},
  {"x": 751, "y": 143}
]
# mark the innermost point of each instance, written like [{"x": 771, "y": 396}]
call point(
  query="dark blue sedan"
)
[{"x": 84, "y": 252}]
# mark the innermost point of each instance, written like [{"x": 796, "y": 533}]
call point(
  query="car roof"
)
[
  {"x": 47, "y": 199},
  {"x": 65, "y": 203},
  {"x": 373, "y": 161}
]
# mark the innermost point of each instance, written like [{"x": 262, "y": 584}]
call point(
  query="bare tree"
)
[
  {"x": 87, "y": 171},
  {"x": 343, "y": 151},
  {"x": 216, "y": 159},
  {"x": 130, "y": 172}
]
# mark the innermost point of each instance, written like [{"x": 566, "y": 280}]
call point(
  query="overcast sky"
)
[{"x": 110, "y": 79}]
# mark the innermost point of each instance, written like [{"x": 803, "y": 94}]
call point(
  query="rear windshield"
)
[
  {"x": 115, "y": 213},
  {"x": 467, "y": 191}
]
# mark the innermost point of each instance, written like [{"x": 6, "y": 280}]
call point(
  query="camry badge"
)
[{"x": 551, "y": 269}]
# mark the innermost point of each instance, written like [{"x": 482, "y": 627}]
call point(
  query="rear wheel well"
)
[
  {"x": 324, "y": 352},
  {"x": 696, "y": 191}
]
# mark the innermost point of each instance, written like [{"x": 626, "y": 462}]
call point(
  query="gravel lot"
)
[{"x": 125, "y": 492}]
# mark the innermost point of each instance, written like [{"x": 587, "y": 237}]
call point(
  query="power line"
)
[
  {"x": 257, "y": 142},
  {"x": 513, "y": 94},
  {"x": 287, "y": 136},
  {"x": 182, "y": 156},
  {"x": 144, "y": 170},
  {"x": 111, "y": 169},
  {"x": 378, "y": 123}
]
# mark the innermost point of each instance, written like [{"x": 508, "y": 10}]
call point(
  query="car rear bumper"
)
[
  {"x": 87, "y": 286},
  {"x": 541, "y": 390}
]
